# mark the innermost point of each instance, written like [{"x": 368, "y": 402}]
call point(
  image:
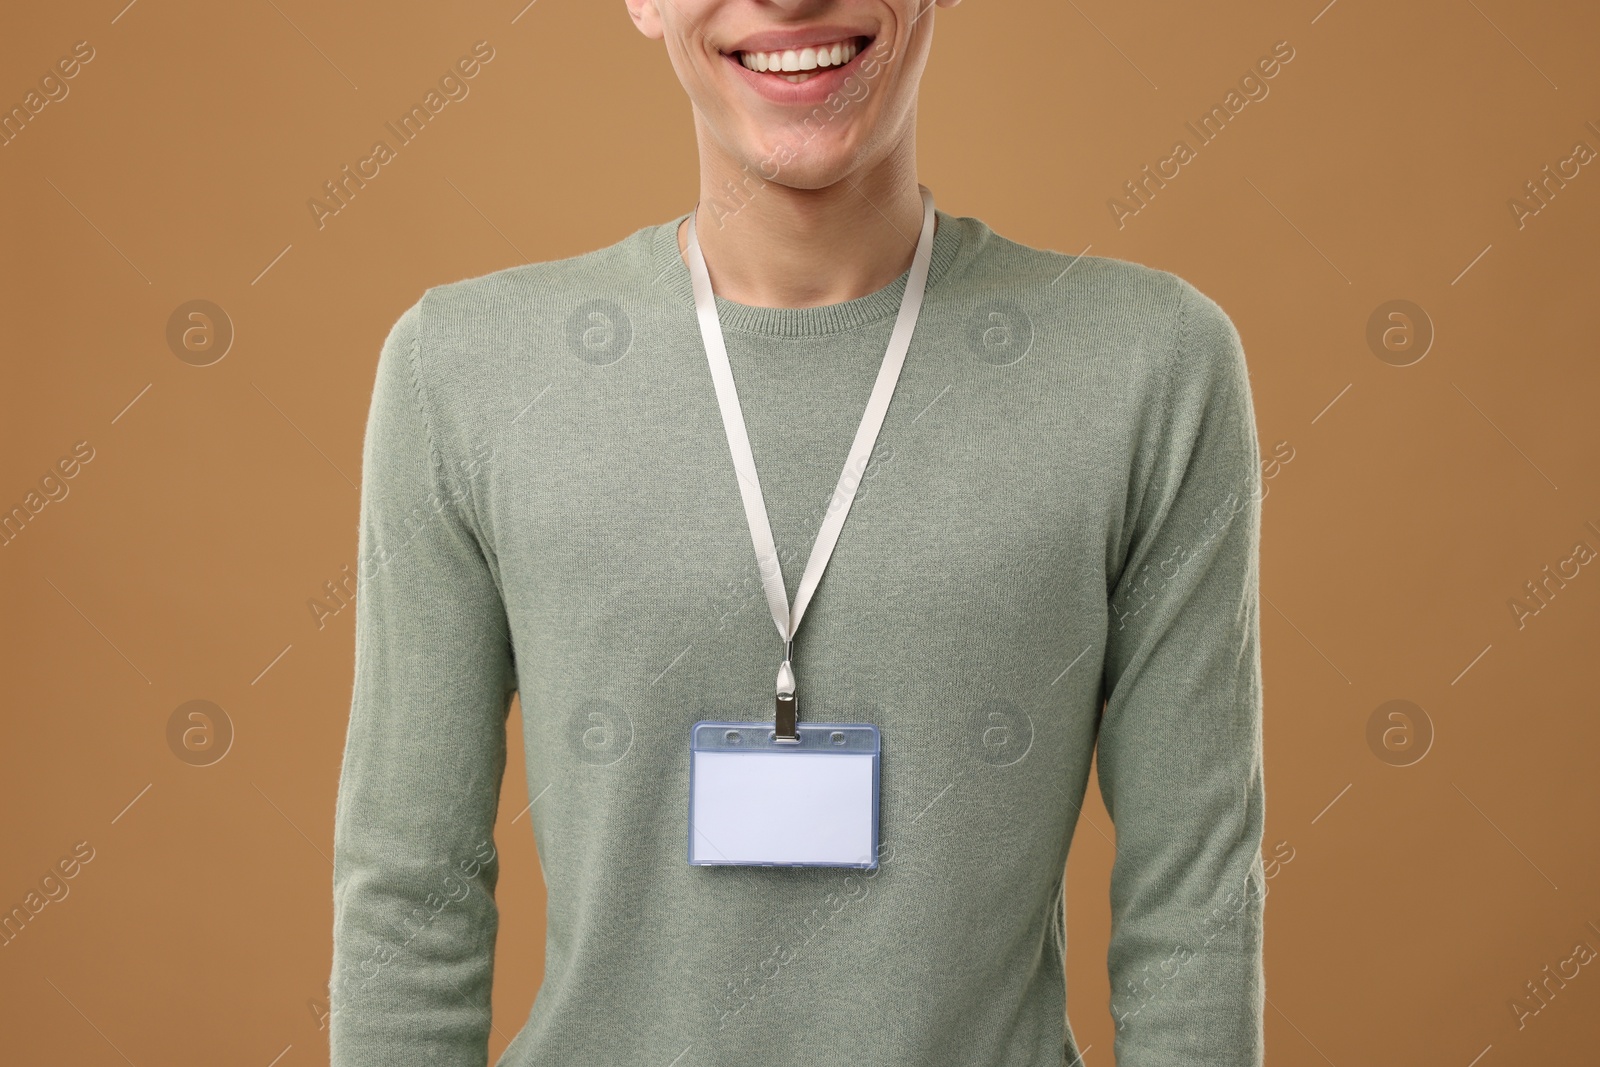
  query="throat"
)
[{"x": 809, "y": 275}]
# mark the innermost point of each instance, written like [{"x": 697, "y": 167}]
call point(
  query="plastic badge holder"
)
[{"x": 756, "y": 801}]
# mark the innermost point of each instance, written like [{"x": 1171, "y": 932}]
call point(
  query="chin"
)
[{"x": 803, "y": 158}]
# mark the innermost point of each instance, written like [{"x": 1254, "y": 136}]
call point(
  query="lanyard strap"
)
[{"x": 755, "y": 509}]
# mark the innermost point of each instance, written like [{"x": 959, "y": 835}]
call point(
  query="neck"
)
[{"x": 776, "y": 246}]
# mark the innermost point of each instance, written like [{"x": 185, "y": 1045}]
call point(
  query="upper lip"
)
[{"x": 795, "y": 39}]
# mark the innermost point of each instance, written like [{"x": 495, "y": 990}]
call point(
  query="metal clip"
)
[{"x": 787, "y": 709}]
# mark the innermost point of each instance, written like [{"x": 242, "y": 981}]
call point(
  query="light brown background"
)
[{"x": 1419, "y": 899}]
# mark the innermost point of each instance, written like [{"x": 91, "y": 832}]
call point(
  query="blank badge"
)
[{"x": 755, "y": 800}]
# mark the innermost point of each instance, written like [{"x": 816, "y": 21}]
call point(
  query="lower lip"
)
[{"x": 813, "y": 90}]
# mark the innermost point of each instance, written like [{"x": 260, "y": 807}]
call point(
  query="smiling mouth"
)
[{"x": 803, "y": 64}]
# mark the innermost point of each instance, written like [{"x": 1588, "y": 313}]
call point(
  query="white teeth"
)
[{"x": 807, "y": 60}]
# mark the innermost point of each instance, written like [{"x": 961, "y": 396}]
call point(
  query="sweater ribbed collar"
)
[{"x": 672, "y": 273}]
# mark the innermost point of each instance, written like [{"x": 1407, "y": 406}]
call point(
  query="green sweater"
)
[{"x": 1055, "y": 548}]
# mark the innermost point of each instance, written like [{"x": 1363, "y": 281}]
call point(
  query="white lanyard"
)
[{"x": 755, "y": 508}]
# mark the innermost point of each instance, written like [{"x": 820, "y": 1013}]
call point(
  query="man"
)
[{"x": 1052, "y": 545}]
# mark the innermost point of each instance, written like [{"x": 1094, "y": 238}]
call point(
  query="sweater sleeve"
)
[
  {"x": 414, "y": 860},
  {"x": 1179, "y": 751}
]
